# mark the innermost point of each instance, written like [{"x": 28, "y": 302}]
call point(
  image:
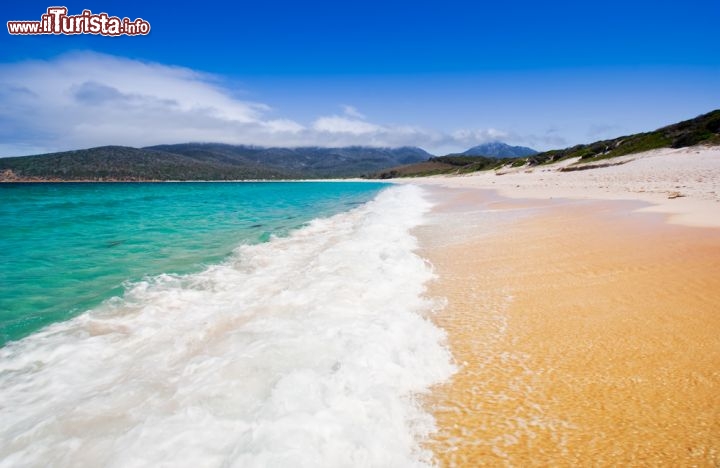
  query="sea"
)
[{"x": 215, "y": 325}]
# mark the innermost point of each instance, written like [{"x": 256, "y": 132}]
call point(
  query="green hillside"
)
[
  {"x": 205, "y": 161},
  {"x": 704, "y": 129},
  {"x": 451, "y": 164},
  {"x": 131, "y": 164}
]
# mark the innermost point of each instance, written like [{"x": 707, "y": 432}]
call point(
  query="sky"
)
[{"x": 444, "y": 76}]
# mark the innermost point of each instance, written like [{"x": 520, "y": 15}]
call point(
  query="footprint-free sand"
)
[{"x": 586, "y": 328}]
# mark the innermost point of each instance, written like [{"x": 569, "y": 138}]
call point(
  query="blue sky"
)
[{"x": 440, "y": 75}]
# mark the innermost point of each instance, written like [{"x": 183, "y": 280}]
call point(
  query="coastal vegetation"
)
[
  {"x": 455, "y": 164},
  {"x": 704, "y": 129}
]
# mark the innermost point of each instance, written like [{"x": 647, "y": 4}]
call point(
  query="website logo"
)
[{"x": 57, "y": 21}]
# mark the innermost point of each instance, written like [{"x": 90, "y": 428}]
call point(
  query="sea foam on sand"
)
[{"x": 307, "y": 350}]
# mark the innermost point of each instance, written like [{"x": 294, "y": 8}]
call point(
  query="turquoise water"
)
[
  {"x": 307, "y": 350},
  {"x": 68, "y": 247}
]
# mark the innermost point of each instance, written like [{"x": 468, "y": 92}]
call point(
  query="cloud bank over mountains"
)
[{"x": 87, "y": 99}]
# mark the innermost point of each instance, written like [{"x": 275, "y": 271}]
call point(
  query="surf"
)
[{"x": 307, "y": 350}]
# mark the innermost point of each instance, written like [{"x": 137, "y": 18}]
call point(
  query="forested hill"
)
[{"x": 205, "y": 161}]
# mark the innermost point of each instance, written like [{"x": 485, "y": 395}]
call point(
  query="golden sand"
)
[{"x": 585, "y": 336}]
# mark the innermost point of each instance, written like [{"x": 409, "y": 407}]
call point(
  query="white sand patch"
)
[{"x": 682, "y": 183}]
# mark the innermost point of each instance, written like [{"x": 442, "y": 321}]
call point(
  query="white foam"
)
[{"x": 308, "y": 350}]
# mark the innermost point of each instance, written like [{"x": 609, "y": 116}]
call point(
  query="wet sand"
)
[{"x": 587, "y": 334}]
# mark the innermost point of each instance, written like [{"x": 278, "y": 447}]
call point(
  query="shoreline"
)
[
  {"x": 254, "y": 181},
  {"x": 683, "y": 184},
  {"x": 301, "y": 350},
  {"x": 586, "y": 330}
]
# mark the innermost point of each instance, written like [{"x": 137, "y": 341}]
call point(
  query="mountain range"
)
[
  {"x": 206, "y": 161},
  {"x": 216, "y": 161},
  {"x": 498, "y": 149}
]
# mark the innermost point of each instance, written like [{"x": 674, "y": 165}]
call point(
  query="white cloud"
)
[
  {"x": 283, "y": 125},
  {"x": 479, "y": 135},
  {"x": 337, "y": 124},
  {"x": 82, "y": 100},
  {"x": 473, "y": 137},
  {"x": 351, "y": 111}
]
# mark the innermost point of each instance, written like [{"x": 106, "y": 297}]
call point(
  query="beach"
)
[
  {"x": 582, "y": 309},
  {"x": 534, "y": 317}
]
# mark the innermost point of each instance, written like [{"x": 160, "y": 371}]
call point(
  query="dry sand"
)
[
  {"x": 587, "y": 331},
  {"x": 693, "y": 173}
]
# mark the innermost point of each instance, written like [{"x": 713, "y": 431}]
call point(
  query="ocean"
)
[{"x": 215, "y": 324}]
